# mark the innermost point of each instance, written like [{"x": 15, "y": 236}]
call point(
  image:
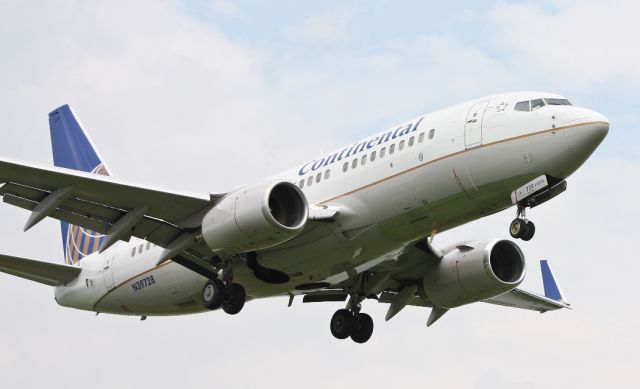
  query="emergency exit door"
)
[{"x": 473, "y": 125}]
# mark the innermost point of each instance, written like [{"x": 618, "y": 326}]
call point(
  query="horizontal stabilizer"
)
[{"x": 43, "y": 272}]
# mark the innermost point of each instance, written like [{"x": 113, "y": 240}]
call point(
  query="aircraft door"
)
[
  {"x": 109, "y": 280},
  {"x": 473, "y": 125}
]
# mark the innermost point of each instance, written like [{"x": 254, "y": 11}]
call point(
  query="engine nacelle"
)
[
  {"x": 474, "y": 272},
  {"x": 256, "y": 217}
]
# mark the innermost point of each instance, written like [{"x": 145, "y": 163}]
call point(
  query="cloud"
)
[
  {"x": 583, "y": 42},
  {"x": 330, "y": 26},
  {"x": 174, "y": 101},
  {"x": 152, "y": 76},
  {"x": 226, "y": 8}
]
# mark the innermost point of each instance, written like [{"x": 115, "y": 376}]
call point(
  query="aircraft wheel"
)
[
  {"x": 518, "y": 228},
  {"x": 342, "y": 324},
  {"x": 234, "y": 298},
  {"x": 531, "y": 230},
  {"x": 213, "y": 294},
  {"x": 362, "y": 329}
]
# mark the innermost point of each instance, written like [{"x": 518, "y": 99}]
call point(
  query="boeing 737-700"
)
[{"x": 357, "y": 223}]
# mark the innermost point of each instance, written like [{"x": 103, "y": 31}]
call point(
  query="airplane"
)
[{"x": 358, "y": 223}]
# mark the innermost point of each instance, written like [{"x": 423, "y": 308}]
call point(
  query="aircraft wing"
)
[
  {"x": 43, "y": 272},
  {"x": 397, "y": 281},
  {"x": 101, "y": 203},
  {"x": 553, "y": 297},
  {"x": 523, "y": 299}
]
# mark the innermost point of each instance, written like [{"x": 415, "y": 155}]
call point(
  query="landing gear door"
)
[{"x": 473, "y": 125}]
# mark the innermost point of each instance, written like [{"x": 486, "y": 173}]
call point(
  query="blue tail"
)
[{"x": 72, "y": 149}]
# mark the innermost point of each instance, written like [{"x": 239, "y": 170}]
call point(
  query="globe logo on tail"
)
[{"x": 81, "y": 242}]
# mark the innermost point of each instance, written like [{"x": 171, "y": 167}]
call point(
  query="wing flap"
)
[
  {"x": 47, "y": 273},
  {"x": 102, "y": 190},
  {"x": 60, "y": 214},
  {"x": 97, "y": 202}
]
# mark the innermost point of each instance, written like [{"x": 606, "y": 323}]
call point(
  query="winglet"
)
[{"x": 551, "y": 288}]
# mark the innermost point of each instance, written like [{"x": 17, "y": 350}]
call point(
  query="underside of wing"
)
[
  {"x": 421, "y": 275},
  {"x": 523, "y": 299}
]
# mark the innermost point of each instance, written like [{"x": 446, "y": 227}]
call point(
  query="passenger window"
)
[
  {"x": 392, "y": 148},
  {"x": 432, "y": 132},
  {"x": 373, "y": 156},
  {"x": 345, "y": 166},
  {"x": 301, "y": 183},
  {"x": 537, "y": 104},
  {"x": 382, "y": 151},
  {"x": 310, "y": 181},
  {"x": 148, "y": 245},
  {"x": 133, "y": 252},
  {"x": 318, "y": 177},
  {"x": 363, "y": 160},
  {"x": 327, "y": 174},
  {"x": 354, "y": 163},
  {"x": 421, "y": 138},
  {"x": 401, "y": 145},
  {"x": 140, "y": 249},
  {"x": 522, "y": 106},
  {"x": 412, "y": 141}
]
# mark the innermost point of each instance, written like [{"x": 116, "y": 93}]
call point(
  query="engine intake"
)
[
  {"x": 256, "y": 217},
  {"x": 474, "y": 272}
]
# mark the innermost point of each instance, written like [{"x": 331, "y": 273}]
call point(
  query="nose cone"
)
[{"x": 586, "y": 137}]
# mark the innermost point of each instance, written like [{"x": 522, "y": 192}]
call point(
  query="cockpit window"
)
[
  {"x": 557, "y": 101},
  {"x": 537, "y": 104},
  {"x": 522, "y": 106}
]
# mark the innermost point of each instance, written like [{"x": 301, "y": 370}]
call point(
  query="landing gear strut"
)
[
  {"x": 520, "y": 227},
  {"x": 350, "y": 322},
  {"x": 224, "y": 293}
]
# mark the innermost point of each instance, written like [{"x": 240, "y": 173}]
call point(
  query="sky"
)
[{"x": 204, "y": 96}]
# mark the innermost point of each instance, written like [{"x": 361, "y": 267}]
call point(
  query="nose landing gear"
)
[{"x": 520, "y": 227}]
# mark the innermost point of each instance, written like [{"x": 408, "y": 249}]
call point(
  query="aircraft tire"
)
[
  {"x": 363, "y": 328},
  {"x": 213, "y": 294},
  {"x": 531, "y": 230},
  {"x": 518, "y": 228},
  {"x": 234, "y": 299},
  {"x": 342, "y": 323}
]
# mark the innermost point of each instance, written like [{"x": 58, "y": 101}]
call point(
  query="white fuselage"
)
[{"x": 446, "y": 168}]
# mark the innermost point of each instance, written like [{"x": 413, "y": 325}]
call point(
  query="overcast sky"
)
[{"x": 203, "y": 96}]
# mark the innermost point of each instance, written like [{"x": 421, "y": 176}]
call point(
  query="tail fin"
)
[{"x": 73, "y": 149}]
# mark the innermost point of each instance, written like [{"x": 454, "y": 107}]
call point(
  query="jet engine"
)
[
  {"x": 474, "y": 272},
  {"x": 255, "y": 217}
]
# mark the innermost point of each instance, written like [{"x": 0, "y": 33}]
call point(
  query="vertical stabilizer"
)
[{"x": 73, "y": 149}]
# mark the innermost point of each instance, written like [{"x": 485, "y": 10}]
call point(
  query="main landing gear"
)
[
  {"x": 346, "y": 323},
  {"x": 350, "y": 322},
  {"x": 520, "y": 227},
  {"x": 229, "y": 296}
]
